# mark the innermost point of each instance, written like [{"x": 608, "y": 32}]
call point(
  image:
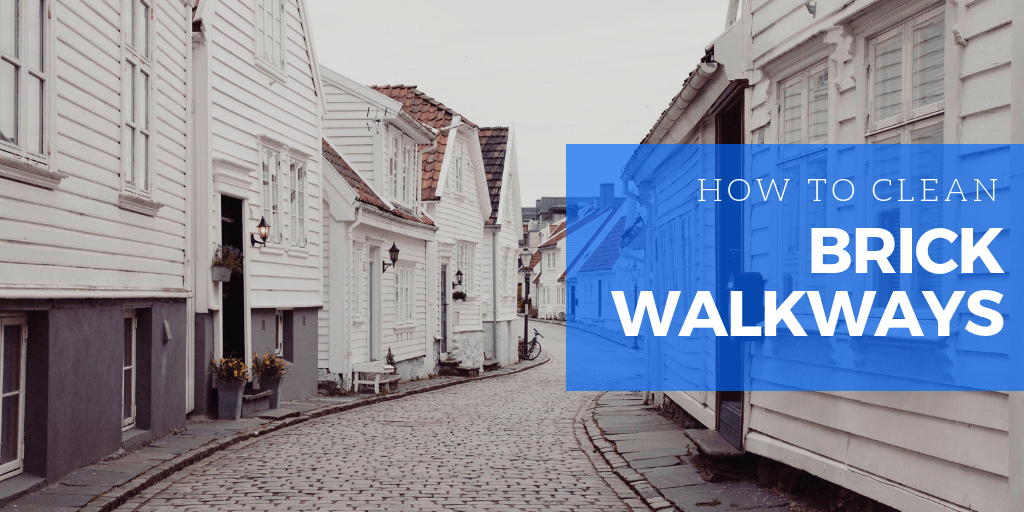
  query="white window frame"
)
[
  {"x": 804, "y": 79},
  {"x": 409, "y": 182},
  {"x": 25, "y": 71},
  {"x": 907, "y": 113},
  {"x": 279, "y": 332},
  {"x": 457, "y": 167},
  {"x": 128, "y": 422},
  {"x": 15, "y": 466},
  {"x": 298, "y": 177},
  {"x": 270, "y": 180},
  {"x": 137, "y": 162},
  {"x": 274, "y": 58},
  {"x": 405, "y": 277},
  {"x": 464, "y": 261}
]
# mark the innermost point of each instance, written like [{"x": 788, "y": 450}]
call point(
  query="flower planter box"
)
[
  {"x": 272, "y": 384},
  {"x": 221, "y": 274},
  {"x": 229, "y": 400}
]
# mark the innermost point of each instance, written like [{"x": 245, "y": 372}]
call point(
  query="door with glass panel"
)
[
  {"x": 13, "y": 339},
  {"x": 128, "y": 372}
]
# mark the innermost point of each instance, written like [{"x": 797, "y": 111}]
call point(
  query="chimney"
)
[{"x": 607, "y": 195}]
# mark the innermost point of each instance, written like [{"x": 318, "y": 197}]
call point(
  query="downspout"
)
[
  {"x": 350, "y": 292},
  {"x": 495, "y": 229}
]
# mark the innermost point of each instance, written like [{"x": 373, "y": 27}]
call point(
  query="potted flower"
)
[
  {"x": 459, "y": 295},
  {"x": 231, "y": 376},
  {"x": 270, "y": 370},
  {"x": 226, "y": 261}
]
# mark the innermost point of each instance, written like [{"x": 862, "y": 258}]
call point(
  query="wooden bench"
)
[{"x": 381, "y": 374}]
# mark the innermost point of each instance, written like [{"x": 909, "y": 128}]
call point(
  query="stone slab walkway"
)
[
  {"x": 105, "y": 485},
  {"x": 654, "y": 455}
]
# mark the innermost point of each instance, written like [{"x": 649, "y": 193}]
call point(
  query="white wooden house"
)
[
  {"x": 257, "y": 155},
  {"x": 596, "y": 266},
  {"x": 372, "y": 203},
  {"x": 454, "y": 192},
  {"x": 843, "y": 72},
  {"x": 502, "y": 232},
  {"x": 94, "y": 188},
  {"x": 550, "y": 293}
]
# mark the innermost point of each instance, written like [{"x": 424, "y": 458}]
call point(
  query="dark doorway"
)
[
  {"x": 572, "y": 303},
  {"x": 729, "y": 244},
  {"x": 444, "y": 309},
  {"x": 232, "y": 226},
  {"x": 600, "y": 298}
]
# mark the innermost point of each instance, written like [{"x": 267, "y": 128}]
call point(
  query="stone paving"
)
[
  {"x": 510, "y": 443},
  {"x": 654, "y": 453}
]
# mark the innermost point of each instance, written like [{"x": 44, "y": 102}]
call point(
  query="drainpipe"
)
[
  {"x": 350, "y": 292},
  {"x": 495, "y": 229}
]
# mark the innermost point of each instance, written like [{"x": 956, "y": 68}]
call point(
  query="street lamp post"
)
[
  {"x": 525, "y": 269},
  {"x": 634, "y": 272}
]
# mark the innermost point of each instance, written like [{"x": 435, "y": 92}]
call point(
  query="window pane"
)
[
  {"x": 144, "y": 28},
  {"x": 10, "y": 434},
  {"x": 34, "y": 115},
  {"x": 9, "y": 27},
  {"x": 130, "y": 71},
  {"x": 145, "y": 101},
  {"x": 144, "y": 161},
  {"x": 888, "y": 82},
  {"x": 928, "y": 62},
  {"x": 32, "y": 41},
  {"x": 132, "y": 167},
  {"x": 12, "y": 358},
  {"x": 128, "y": 397},
  {"x": 792, "y": 108},
  {"x": 817, "y": 107},
  {"x": 129, "y": 345},
  {"x": 8, "y": 102},
  {"x": 133, "y": 25}
]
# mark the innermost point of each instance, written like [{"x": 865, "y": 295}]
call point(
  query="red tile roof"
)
[
  {"x": 556, "y": 237},
  {"x": 607, "y": 253},
  {"x": 364, "y": 193},
  {"x": 537, "y": 279},
  {"x": 433, "y": 114},
  {"x": 493, "y": 143},
  {"x": 534, "y": 260},
  {"x": 563, "y": 276}
]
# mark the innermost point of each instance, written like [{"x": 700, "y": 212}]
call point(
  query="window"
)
[
  {"x": 392, "y": 165},
  {"x": 804, "y": 107},
  {"x": 270, "y": 32},
  {"x": 13, "y": 340},
  {"x": 796, "y": 216},
  {"x": 458, "y": 165},
  {"x": 138, "y": 70},
  {"x": 464, "y": 262},
  {"x": 129, "y": 372},
  {"x": 894, "y": 159},
  {"x": 297, "y": 203},
  {"x": 272, "y": 193},
  {"x": 404, "y": 295},
  {"x": 22, "y": 77},
  {"x": 409, "y": 175},
  {"x": 358, "y": 279},
  {"x": 906, "y": 72}
]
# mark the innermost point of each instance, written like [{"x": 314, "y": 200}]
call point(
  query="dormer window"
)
[{"x": 400, "y": 170}]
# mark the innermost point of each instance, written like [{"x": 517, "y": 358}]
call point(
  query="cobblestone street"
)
[{"x": 500, "y": 444}]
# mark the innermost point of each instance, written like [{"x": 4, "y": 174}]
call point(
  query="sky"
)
[{"x": 561, "y": 72}]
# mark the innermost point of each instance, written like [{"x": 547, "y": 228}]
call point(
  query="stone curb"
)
[
  {"x": 590, "y": 448},
  {"x": 636, "y": 481},
  {"x": 118, "y": 496}
]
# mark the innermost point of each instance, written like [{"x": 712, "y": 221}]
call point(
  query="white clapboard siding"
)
[
  {"x": 76, "y": 240},
  {"x": 323, "y": 327},
  {"x": 460, "y": 219},
  {"x": 249, "y": 109}
]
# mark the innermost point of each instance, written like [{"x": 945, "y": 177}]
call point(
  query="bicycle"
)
[{"x": 530, "y": 350}]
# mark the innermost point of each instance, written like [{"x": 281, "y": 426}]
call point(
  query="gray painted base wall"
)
[
  {"x": 74, "y": 377},
  {"x": 300, "y": 348},
  {"x": 506, "y": 347}
]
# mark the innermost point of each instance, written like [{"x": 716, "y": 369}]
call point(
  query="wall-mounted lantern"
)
[
  {"x": 393, "y": 252},
  {"x": 458, "y": 279},
  {"x": 264, "y": 231}
]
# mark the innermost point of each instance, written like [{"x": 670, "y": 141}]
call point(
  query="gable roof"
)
[
  {"x": 433, "y": 114},
  {"x": 493, "y": 145},
  {"x": 606, "y": 215},
  {"x": 364, "y": 193},
  {"x": 557, "y": 236},
  {"x": 607, "y": 253}
]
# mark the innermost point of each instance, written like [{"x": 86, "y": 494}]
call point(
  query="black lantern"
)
[
  {"x": 524, "y": 267},
  {"x": 393, "y": 252},
  {"x": 264, "y": 230},
  {"x": 635, "y": 272},
  {"x": 458, "y": 279}
]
